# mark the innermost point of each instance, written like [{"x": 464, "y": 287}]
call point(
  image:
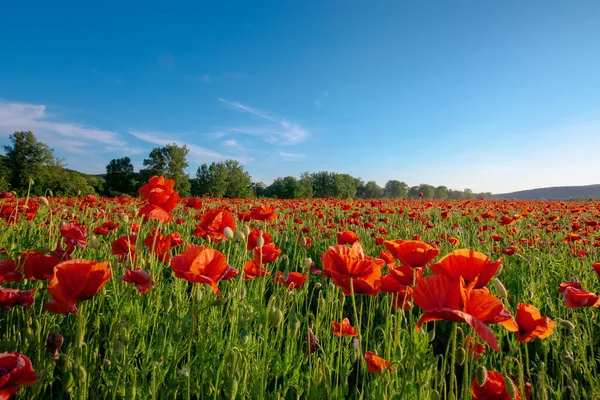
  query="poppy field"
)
[{"x": 163, "y": 297}]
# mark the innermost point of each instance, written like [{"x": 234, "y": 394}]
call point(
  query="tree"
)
[
  {"x": 169, "y": 161},
  {"x": 468, "y": 194},
  {"x": 371, "y": 190},
  {"x": 441, "y": 193},
  {"x": 25, "y": 159},
  {"x": 223, "y": 179},
  {"x": 427, "y": 190},
  {"x": 306, "y": 185},
  {"x": 413, "y": 192},
  {"x": 120, "y": 178},
  {"x": 395, "y": 189}
]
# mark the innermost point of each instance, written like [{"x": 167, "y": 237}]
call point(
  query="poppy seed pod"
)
[
  {"x": 124, "y": 218},
  {"x": 228, "y": 232}
]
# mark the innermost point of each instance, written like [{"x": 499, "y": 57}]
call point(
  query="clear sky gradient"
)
[{"x": 489, "y": 95}]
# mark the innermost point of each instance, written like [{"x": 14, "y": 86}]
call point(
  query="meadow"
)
[{"x": 162, "y": 297}]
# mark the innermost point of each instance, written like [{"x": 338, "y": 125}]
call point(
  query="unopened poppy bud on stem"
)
[
  {"x": 44, "y": 200},
  {"x": 240, "y": 235},
  {"x": 246, "y": 230},
  {"x": 502, "y": 293},
  {"x": 94, "y": 242},
  {"x": 260, "y": 242},
  {"x": 228, "y": 233},
  {"x": 481, "y": 375},
  {"x": 511, "y": 390}
]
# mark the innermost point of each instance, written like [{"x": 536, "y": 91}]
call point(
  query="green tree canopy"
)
[
  {"x": 120, "y": 178},
  {"x": 169, "y": 161}
]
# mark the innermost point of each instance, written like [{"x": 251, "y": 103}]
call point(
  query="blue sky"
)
[{"x": 492, "y": 96}]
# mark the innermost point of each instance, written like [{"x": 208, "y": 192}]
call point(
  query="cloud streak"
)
[
  {"x": 68, "y": 136},
  {"x": 198, "y": 154},
  {"x": 292, "y": 156},
  {"x": 274, "y": 130}
]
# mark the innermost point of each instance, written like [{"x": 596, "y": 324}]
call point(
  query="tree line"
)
[{"x": 31, "y": 165}]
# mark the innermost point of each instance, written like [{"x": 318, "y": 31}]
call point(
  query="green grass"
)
[{"x": 176, "y": 342}]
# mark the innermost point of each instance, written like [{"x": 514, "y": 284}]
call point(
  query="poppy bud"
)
[
  {"x": 94, "y": 242},
  {"x": 246, "y": 230},
  {"x": 565, "y": 323},
  {"x": 232, "y": 387},
  {"x": 431, "y": 335},
  {"x": 81, "y": 373},
  {"x": 228, "y": 233},
  {"x": 68, "y": 381},
  {"x": 239, "y": 235},
  {"x": 481, "y": 375},
  {"x": 331, "y": 286},
  {"x": 50, "y": 193},
  {"x": 45, "y": 201},
  {"x": 260, "y": 242},
  {"x": 435, "y": 395},
  {"x": 243, "y": 292},
  {"x": 294, "y": 323},
  {"x": 460, "y": 355},
  {"x": 219, "y": 301},
  {"x": 244, "y": 337},
  {"x": 130, "y": 392},
  {"x": 356, "y": 347},
  {"x": 322, "y": 303},
  {"x": 29, "y": 335},
  {"x": 79, "y": 193},
  {"x": 54, "y": 344},
  {"x": 118, "y": 348},
  {"x": 31, "y": 181},
  {"x": 502, "y": 293},
  {"x": 499, "y": 270},
  {"x": 308, "y": 262},
  {"x": 511, "y": 390},
  {"x": 275, "y": 317},
  {"x": 303, "y": 241}
]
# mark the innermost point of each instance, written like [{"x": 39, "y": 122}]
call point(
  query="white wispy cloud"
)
[
  {"x": 68, "y": 136},
  {"x": 292, "y": 156},
  {"x": 198, "y": 154},
  {"x": 231, "y": 143},
  {"x": 277, "y": 131}
]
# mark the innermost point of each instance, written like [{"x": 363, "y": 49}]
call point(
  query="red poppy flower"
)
[
  {"x": 213, "y": 224},
  {"x": 15, "y": 370},
  {"x": 443, "y": 298},
  {"x": 124, "y": 247},
  {"x": 38, "y": 266},
  {"x": 343, "y": 329},
  {"x": 73, "y": 281},
  {"x": 476, "y": 349},
  {"x": 8, "y": 271},
  {"x": 350, "y": 267},
  {"x": 253, "y": 239},
  {"x": 376, "y": 364},
  {"x": 161, "y": 199},
  {"x": 387, "y": 256},
  {"x": 14, "y": 297},
  {"x": 469, "y": 265},
  {"x": 563, "y": 286},
  {"x": 193, "y": 202},
  {"x": 531, "y": 323},
  {"x": 346, "y": 237},
  {"x": 73, "y": 234},
  {"x": 267, "y": 254},
  {"x": 413, "y": 253},
  {"x": 202, "y": 265},
  {"x": 141, "y": 279},
  {"x": 493, "y": 389},
  {"x": 596, "y": 267},
  {"x": 295, "y": 280},
  {"x": 576, "y": 298},
  {"x": 253, "y": 269},
  {"x": 259, "y": 213}
]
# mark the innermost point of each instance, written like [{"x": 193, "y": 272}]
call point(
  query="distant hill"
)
[{"x": 553, "y": 193}]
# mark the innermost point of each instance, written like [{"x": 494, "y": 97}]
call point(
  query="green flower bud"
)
[
  {"x": 511, "y": 390},
  {"x": 244, "y": 337},
  {"x": 275, "y": 317},
  {"x": 460, "y": 356},
  {"x": 502, "y": 293},
  {"x": 481, "y": 375},
  {"x": 68, "y": 381},
  {"x": 228, "y": 232}
]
